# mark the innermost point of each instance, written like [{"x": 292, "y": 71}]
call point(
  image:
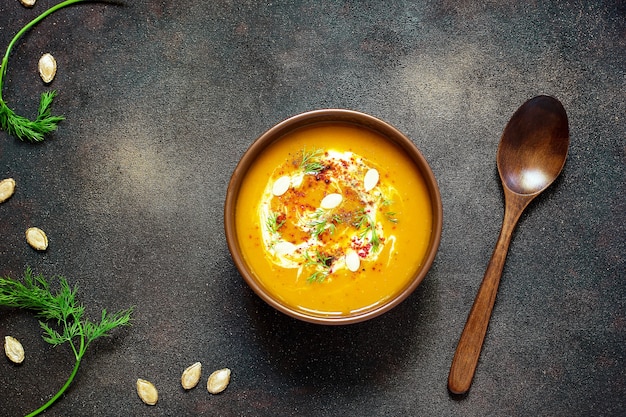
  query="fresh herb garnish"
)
[
  {"x": 321, "y": 263},
  {"x": 322, "y": 221},
  {"x": 335, "y": 219},
  {"x": 364, "y": 221},
  {"x": 311, "y": 162},
  {"x": 20, "y": 126},
  {"x": 274, "y": 222},
  {"x": 390, "y": 215},
  {"x": 63, "y": 310},
  {"x": 317, "y": 223}
]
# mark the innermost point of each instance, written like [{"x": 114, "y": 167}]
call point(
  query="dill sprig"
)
[
  {"x": 63, "y": 318},
  {"x": 361, "y": 219},
  {"x": 272, "y": 222},
  {"x": 321, "y": 263},
  {"x": 20, "y": 126},
  {"x": 322, "y": 221},
  {"x": 365, "y": 222},
  {"x": 26, "y": 129},
  {"x": 311, "y": 162},
  {"x": 390, "y": 215},
  {"x": 318, "y": 223}
]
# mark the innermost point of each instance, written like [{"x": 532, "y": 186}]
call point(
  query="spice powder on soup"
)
[{"x": 333, "y": 219}]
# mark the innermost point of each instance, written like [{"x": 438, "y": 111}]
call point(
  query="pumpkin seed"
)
[
  {"x": 296, "y": 180},
  {"x": 191, "y": 376},
  {"x": 28, "y": 3},
  {"x": 7, "y": 188},
  {"x": 281, "y": 186},
  {"x": 218, "y": 381},
  {"x": 37, "y": 238},
  {"x": 147, "y": 392},
  {"x": 47, "y": 68},
  {"x": 331, "y": 201},
  {"x": 371, "y": 179},
  {"x": 13, "y": 349},
  {"x": 352, "y": 260}
]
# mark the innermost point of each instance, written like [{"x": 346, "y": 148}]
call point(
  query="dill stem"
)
[
  {"x": 78, "y": 355},
  {"x": 5, "y": 59},
  {"x": 67, "y": 383}
]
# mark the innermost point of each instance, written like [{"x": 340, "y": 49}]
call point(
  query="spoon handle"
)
[{"x": 471, "y": 341}]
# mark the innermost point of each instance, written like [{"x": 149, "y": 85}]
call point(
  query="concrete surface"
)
[{"x": 161, "y": 99}]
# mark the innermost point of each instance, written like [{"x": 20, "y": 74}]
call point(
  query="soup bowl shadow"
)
[
  {"x": 319, "y": 117},
  {"x": 342, "y": 358}
]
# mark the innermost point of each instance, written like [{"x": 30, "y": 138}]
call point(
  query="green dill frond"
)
[
  {"x": 19, "y": 126},
  {"x": 374, "y": 239},
  {"x": 309, "y": 261},
  {"x": 51, "y": 336},
  {"x": 361, "y": 219},
  {"x": 321, "y": 220},
  {"x": 318, "y": 223},
  {"x": 321, "y": 265},
  {"x": 30, "y": 130},
  {"x": 107, "y": 322},
  {"x": 391, "y": 216},
  {"x": 317, "y": 276},
  {"x": 62, "y": 316},
  {"x": 272, "y": 222},
  {"x": 34, "y": 294},
  {"x": 366, "y": 226},
  {"x": 311, "y": 161},
  {"x": 323, "y": 260}
]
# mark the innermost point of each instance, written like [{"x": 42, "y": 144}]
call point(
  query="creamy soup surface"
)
[{"x": 333, "y": 219}]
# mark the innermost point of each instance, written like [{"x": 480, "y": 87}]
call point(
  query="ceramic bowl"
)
[{"x": 314, "y": 118}]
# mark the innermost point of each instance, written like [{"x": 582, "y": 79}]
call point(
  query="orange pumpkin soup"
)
[{"x": 333, "y": 219}]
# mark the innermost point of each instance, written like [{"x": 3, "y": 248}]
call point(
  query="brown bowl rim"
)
[{"x": 314, "y": 117}]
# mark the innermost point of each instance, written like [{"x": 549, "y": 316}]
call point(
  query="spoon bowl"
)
[
  {"x": 534, "y": 146},
  {"x": 531, "y": 155}
]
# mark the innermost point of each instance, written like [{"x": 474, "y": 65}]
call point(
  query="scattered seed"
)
[
  {"x": 7, "y": 188},
  {"x": 281, "y": 186},
  {"x": 13, "y": 349},
  {"x": 371, "y": 179},
  {"x": 218, "y": 381},
  {"x": 331, "y": 201},
  {"x": 191, "y": 376},
  {"x": 147, "y": 392},
  {"x": 47, "y": 68},
  {"x": 352, "y": 260},
  {"x": 37, "y": 238},
  {"x": 28, "y": 3}
]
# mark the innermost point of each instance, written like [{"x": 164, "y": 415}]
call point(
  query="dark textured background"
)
[{"x": 163, "y": 97}]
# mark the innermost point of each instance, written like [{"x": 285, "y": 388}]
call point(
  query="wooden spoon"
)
[{"x": 531, "y": 155}]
